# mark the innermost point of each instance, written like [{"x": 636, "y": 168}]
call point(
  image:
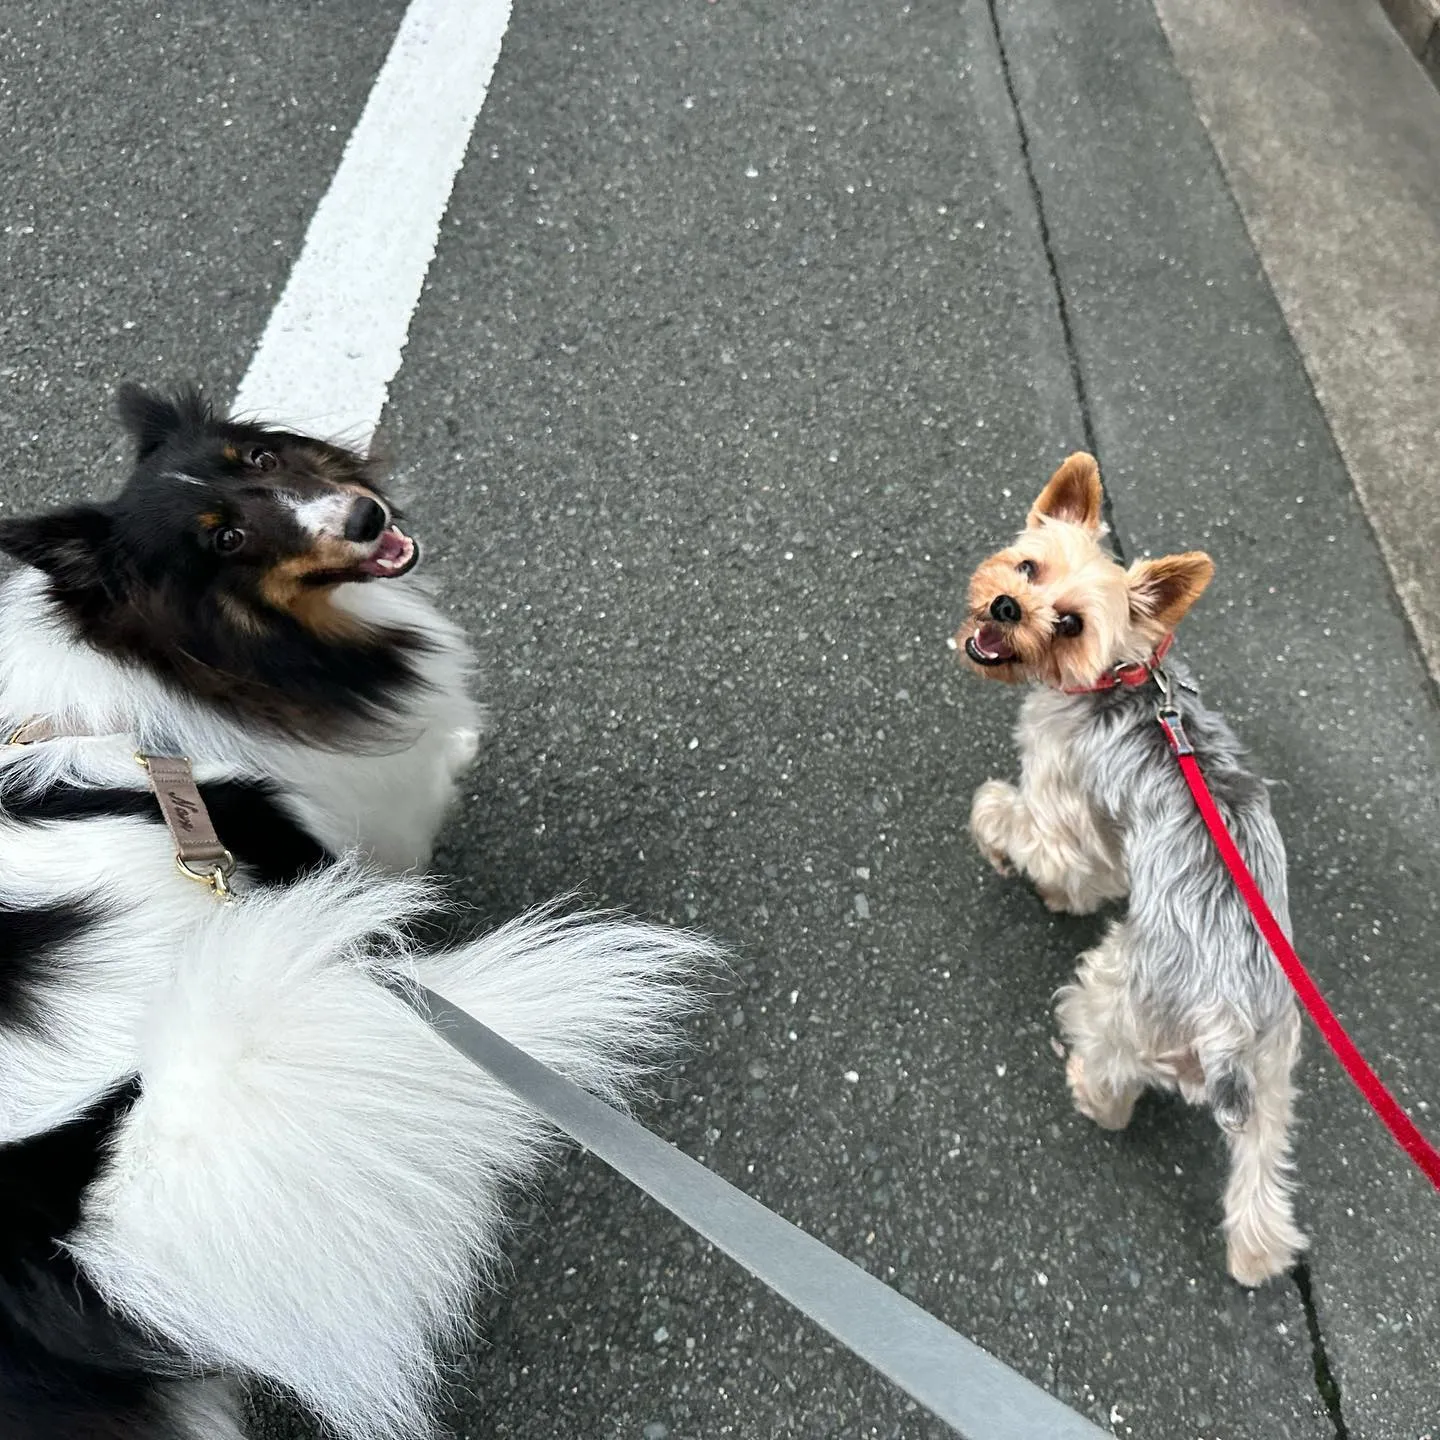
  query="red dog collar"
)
[{"x": 1136, "y": 672}]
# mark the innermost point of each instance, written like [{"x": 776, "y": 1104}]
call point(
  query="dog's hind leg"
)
[
  {"x": 1106, "y": 1069},
  {"x": 1261, "y": 1236}
]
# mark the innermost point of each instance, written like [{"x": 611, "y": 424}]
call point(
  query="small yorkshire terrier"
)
[{"x": 1182, "y": 993}]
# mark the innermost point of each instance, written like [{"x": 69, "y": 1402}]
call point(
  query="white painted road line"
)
[{"x": 334, "y": 340}]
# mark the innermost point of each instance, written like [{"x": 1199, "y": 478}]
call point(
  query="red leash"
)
[{"x": 1385, "y": 1105}]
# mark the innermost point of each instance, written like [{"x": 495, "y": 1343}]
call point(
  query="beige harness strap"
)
[
  {"x": 32, "y": 731},
  {"x": 199, "y": 853},
  {"x": 198, "y": 850}
]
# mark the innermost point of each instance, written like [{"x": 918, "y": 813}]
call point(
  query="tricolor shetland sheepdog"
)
[{"x": 229, "y": 1154}]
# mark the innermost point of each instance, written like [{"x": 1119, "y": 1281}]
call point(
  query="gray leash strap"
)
[{"x": 974, "y": 1393}]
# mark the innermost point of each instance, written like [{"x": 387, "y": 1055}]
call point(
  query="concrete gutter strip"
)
[{"x": 1331, "y": 140}]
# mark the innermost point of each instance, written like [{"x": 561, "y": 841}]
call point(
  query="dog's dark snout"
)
[
  {"x": 1005, "y": 609},
  {"x": 365, "y": 521}
]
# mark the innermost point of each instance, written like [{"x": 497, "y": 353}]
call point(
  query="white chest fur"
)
[{"x": 386, "y": 799}]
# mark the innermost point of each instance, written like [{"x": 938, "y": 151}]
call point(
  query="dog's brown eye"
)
[
  {"x": 262, "y": 459},
  {"x": 228, "y": 540},
  {"x": 1028, "y": 568},
  {"x": 1069, "y": 625}
]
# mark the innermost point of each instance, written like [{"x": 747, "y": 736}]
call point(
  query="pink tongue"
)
[
  {"x": 991, "y": 639},
  {"x": 391, "y": 547}
]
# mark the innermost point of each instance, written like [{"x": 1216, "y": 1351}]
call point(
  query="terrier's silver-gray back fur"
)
[
  {"x": 1197, "y": 948},
  {"x": 1183, "y": 992}
]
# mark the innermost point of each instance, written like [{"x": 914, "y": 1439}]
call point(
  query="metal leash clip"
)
[{"x": 1167, "y": 712}]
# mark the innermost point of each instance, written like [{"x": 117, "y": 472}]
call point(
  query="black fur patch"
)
[
  {"x": 43, "y": 1400},
  {"x": 29, "y": 940},
  {"x": 70, "y": 1367},
  {"x": 1231, "y": 1095},
  {"x": 41, "y": 1181},
  {"x": 248, "y": 819}
]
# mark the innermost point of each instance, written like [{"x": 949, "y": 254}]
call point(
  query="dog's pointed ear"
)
[
  {"x": 152, "y": 418},
  {"x": 1073, "y": 495},
  {"x": 1162, "y": 591},
  {"x": 66, "y": 544}
]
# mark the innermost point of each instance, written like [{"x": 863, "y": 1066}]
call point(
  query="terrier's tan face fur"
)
[{"x": 1054, "y": 607}]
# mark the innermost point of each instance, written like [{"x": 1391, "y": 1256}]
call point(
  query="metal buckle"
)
[{"x": 216, "y": 875}]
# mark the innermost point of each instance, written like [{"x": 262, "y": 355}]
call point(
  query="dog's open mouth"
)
[
  {"x": 395, "y": 554},
  {"x": 988, "y": 646}
]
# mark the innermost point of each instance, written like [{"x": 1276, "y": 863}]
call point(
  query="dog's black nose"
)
[
  {"x": 1005, "y": 609},
  {"x": 365, "y": 521}
]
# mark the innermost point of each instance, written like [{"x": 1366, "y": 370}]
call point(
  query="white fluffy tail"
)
[{"x": 312, "y": 1181}]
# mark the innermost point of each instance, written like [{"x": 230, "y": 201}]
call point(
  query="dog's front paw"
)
[
  {"x": 1109, "y": 1113},
  {"x": 1064, "y": 901},
  {"x": 1056, "y": 900},
  {"x": 991, "y": 815},
  {"x": 464, "y": 745}
]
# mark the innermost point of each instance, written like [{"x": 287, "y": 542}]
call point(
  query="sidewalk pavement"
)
[
  {"x": 762, "y": 305},
  {"x": 752, "y": 326}
]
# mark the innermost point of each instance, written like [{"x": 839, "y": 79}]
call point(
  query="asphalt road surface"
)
[{"x": 751, "y": 327}]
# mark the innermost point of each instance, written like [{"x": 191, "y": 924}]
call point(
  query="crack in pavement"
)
[
  {"x": 1037, "y": 197},
  {"x": 1326, "y": 1381}
]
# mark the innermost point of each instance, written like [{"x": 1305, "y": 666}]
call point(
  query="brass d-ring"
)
[{"x": 216, "y": 873}]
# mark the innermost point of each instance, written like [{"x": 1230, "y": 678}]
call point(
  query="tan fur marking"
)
[
  {"x": 241, "y": 615},
  {"x": 314, "y": 607},
  {"x": 284, "y": 587}
]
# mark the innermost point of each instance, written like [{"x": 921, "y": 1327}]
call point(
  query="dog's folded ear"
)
[
  {"x": 1161, "y": 591},
  {"x": 1073, "y": 495},
  {"x": 66, "y": 544},
  {"x": 153, "y": 418}
]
